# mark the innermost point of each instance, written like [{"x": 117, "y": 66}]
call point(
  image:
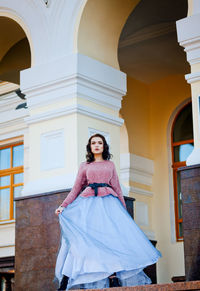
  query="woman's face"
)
[{"x": 96, "y": 145}]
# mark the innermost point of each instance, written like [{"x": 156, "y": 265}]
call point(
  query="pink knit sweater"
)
[{"x": 95, "y": 172}]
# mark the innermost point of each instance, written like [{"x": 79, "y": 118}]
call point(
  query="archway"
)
[
  {"x": 15, "y": 54},
  {"x": 155, "y": 65},
  {"x": 102, "y": 22}
]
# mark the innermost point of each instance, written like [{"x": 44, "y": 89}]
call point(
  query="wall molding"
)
[
  {"x": 2, "y": 223},
  {"x": 78, "y": 109},
  {"x": 136, "y": 169},
  {"x": 49, "y": 141},
  {"x": 189, "y": 37},
  {"x": 73, "y": 76},
  {"x": 7, "y": 245},
  {"x": 9, "y": 101},
  {"x": 147, "y": 33},
  {"x": 12, "y": 134},
  {"x": 48, "y": 184},
  {"x": 193, "y": 77},
  {"x": 7, "y": 87},
  {"x": 140, "y": 191},
  {"x": 10, "y": 117}
]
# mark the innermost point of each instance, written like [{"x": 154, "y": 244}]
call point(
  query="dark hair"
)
[{"x": 105, "y": 154}]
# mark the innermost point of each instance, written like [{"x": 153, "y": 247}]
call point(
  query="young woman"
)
[{"x": 101, "y": 245}]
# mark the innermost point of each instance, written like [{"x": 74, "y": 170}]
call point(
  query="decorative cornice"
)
[
  {"x": 71, "y": 87},
  {"x": 189, "y": 37},
  {"x": 140, "y": 191},
  {"x": 193, "y": 77},
  {"x": 192, "y": 48},
  {"x": 77, "y": 108},
  {"x": 13, "y": 134},
  {"x": 5, "y": 224},
  {"x": 6, "y": 87},
  {"x": 187, "y": 28},
  {"x": 9, "y": 101},
  {"x": 8, "y": 115},
  {"x": 74, "y": 76},
  {"x": 136, "y": 169},
  {"x": 7, "y": 245},
  {"x": 149, "y": 32},
  {"x": 191, "y": 43},
  {"x": 44, "y": 185},
  {"x": 14, "y": 122}
]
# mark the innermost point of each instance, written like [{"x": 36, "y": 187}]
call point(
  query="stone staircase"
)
[{"x": 192, "y": 285}]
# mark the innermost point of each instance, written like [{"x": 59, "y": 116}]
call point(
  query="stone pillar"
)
[
  {"x": 190, "y": 189},
  {"x": 68, "y": 100},
  {"x": 188, "y": 30}
]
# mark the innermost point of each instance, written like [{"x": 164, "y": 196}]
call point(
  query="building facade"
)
[{"x": 128, "y": 69}]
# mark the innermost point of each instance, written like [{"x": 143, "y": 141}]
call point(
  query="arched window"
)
[{"x": 182, "y": 146}]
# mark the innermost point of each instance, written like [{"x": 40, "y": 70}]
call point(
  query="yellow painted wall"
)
[
  {"x": 69, "y": 125},
  {"x": 72, "y": 102},
  {"x": 76, "y": 137},
  {"x": 135, "y": 111},
  {"x": 75, "y": 128},
  {"x": 147, "y": 110},
  {"x": 165, "y": 96}
]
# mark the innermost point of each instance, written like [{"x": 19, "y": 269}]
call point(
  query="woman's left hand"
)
[{"x": 59, "y": 210}]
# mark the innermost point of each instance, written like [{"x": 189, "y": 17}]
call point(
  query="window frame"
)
[
  {"x": 175, "y": 166},
  {"x": 11, "y": 172}
]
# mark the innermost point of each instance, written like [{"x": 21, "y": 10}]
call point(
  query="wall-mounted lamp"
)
[
  {"x": 20, "y": 94},
  {"x": 23, "y": 97}
]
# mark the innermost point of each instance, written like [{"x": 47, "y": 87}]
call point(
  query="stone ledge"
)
[{"x": 192, "y": 285}]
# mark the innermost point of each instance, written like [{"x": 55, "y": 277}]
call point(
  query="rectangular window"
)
[{"x": 11, "y": 178}]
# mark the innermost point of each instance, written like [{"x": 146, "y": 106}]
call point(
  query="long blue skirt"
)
[{"x": 99, "y": 237}]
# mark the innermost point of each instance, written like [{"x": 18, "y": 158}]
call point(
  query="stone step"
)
[{"x": 192, "y": 285}]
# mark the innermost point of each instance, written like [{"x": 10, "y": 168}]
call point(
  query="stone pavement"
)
[{"x": 192, "y": 285}]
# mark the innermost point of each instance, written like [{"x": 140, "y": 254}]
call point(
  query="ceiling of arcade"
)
[
  {"x": 148, "y": 47},
  {"x": 14, "y": 50}
]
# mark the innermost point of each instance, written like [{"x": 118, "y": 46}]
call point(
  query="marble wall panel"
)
[{"x": 190, "y": 189}]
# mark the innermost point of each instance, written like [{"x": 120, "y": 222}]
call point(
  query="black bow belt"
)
[{"x": 95, "y": 186}]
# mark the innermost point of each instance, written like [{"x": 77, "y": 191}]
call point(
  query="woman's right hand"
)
[{"x": 59, "y": 210}]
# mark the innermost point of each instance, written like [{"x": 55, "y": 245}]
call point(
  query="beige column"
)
[
  {"x": 188, "y": 30},
  {"x": 68, "y": 100}
]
